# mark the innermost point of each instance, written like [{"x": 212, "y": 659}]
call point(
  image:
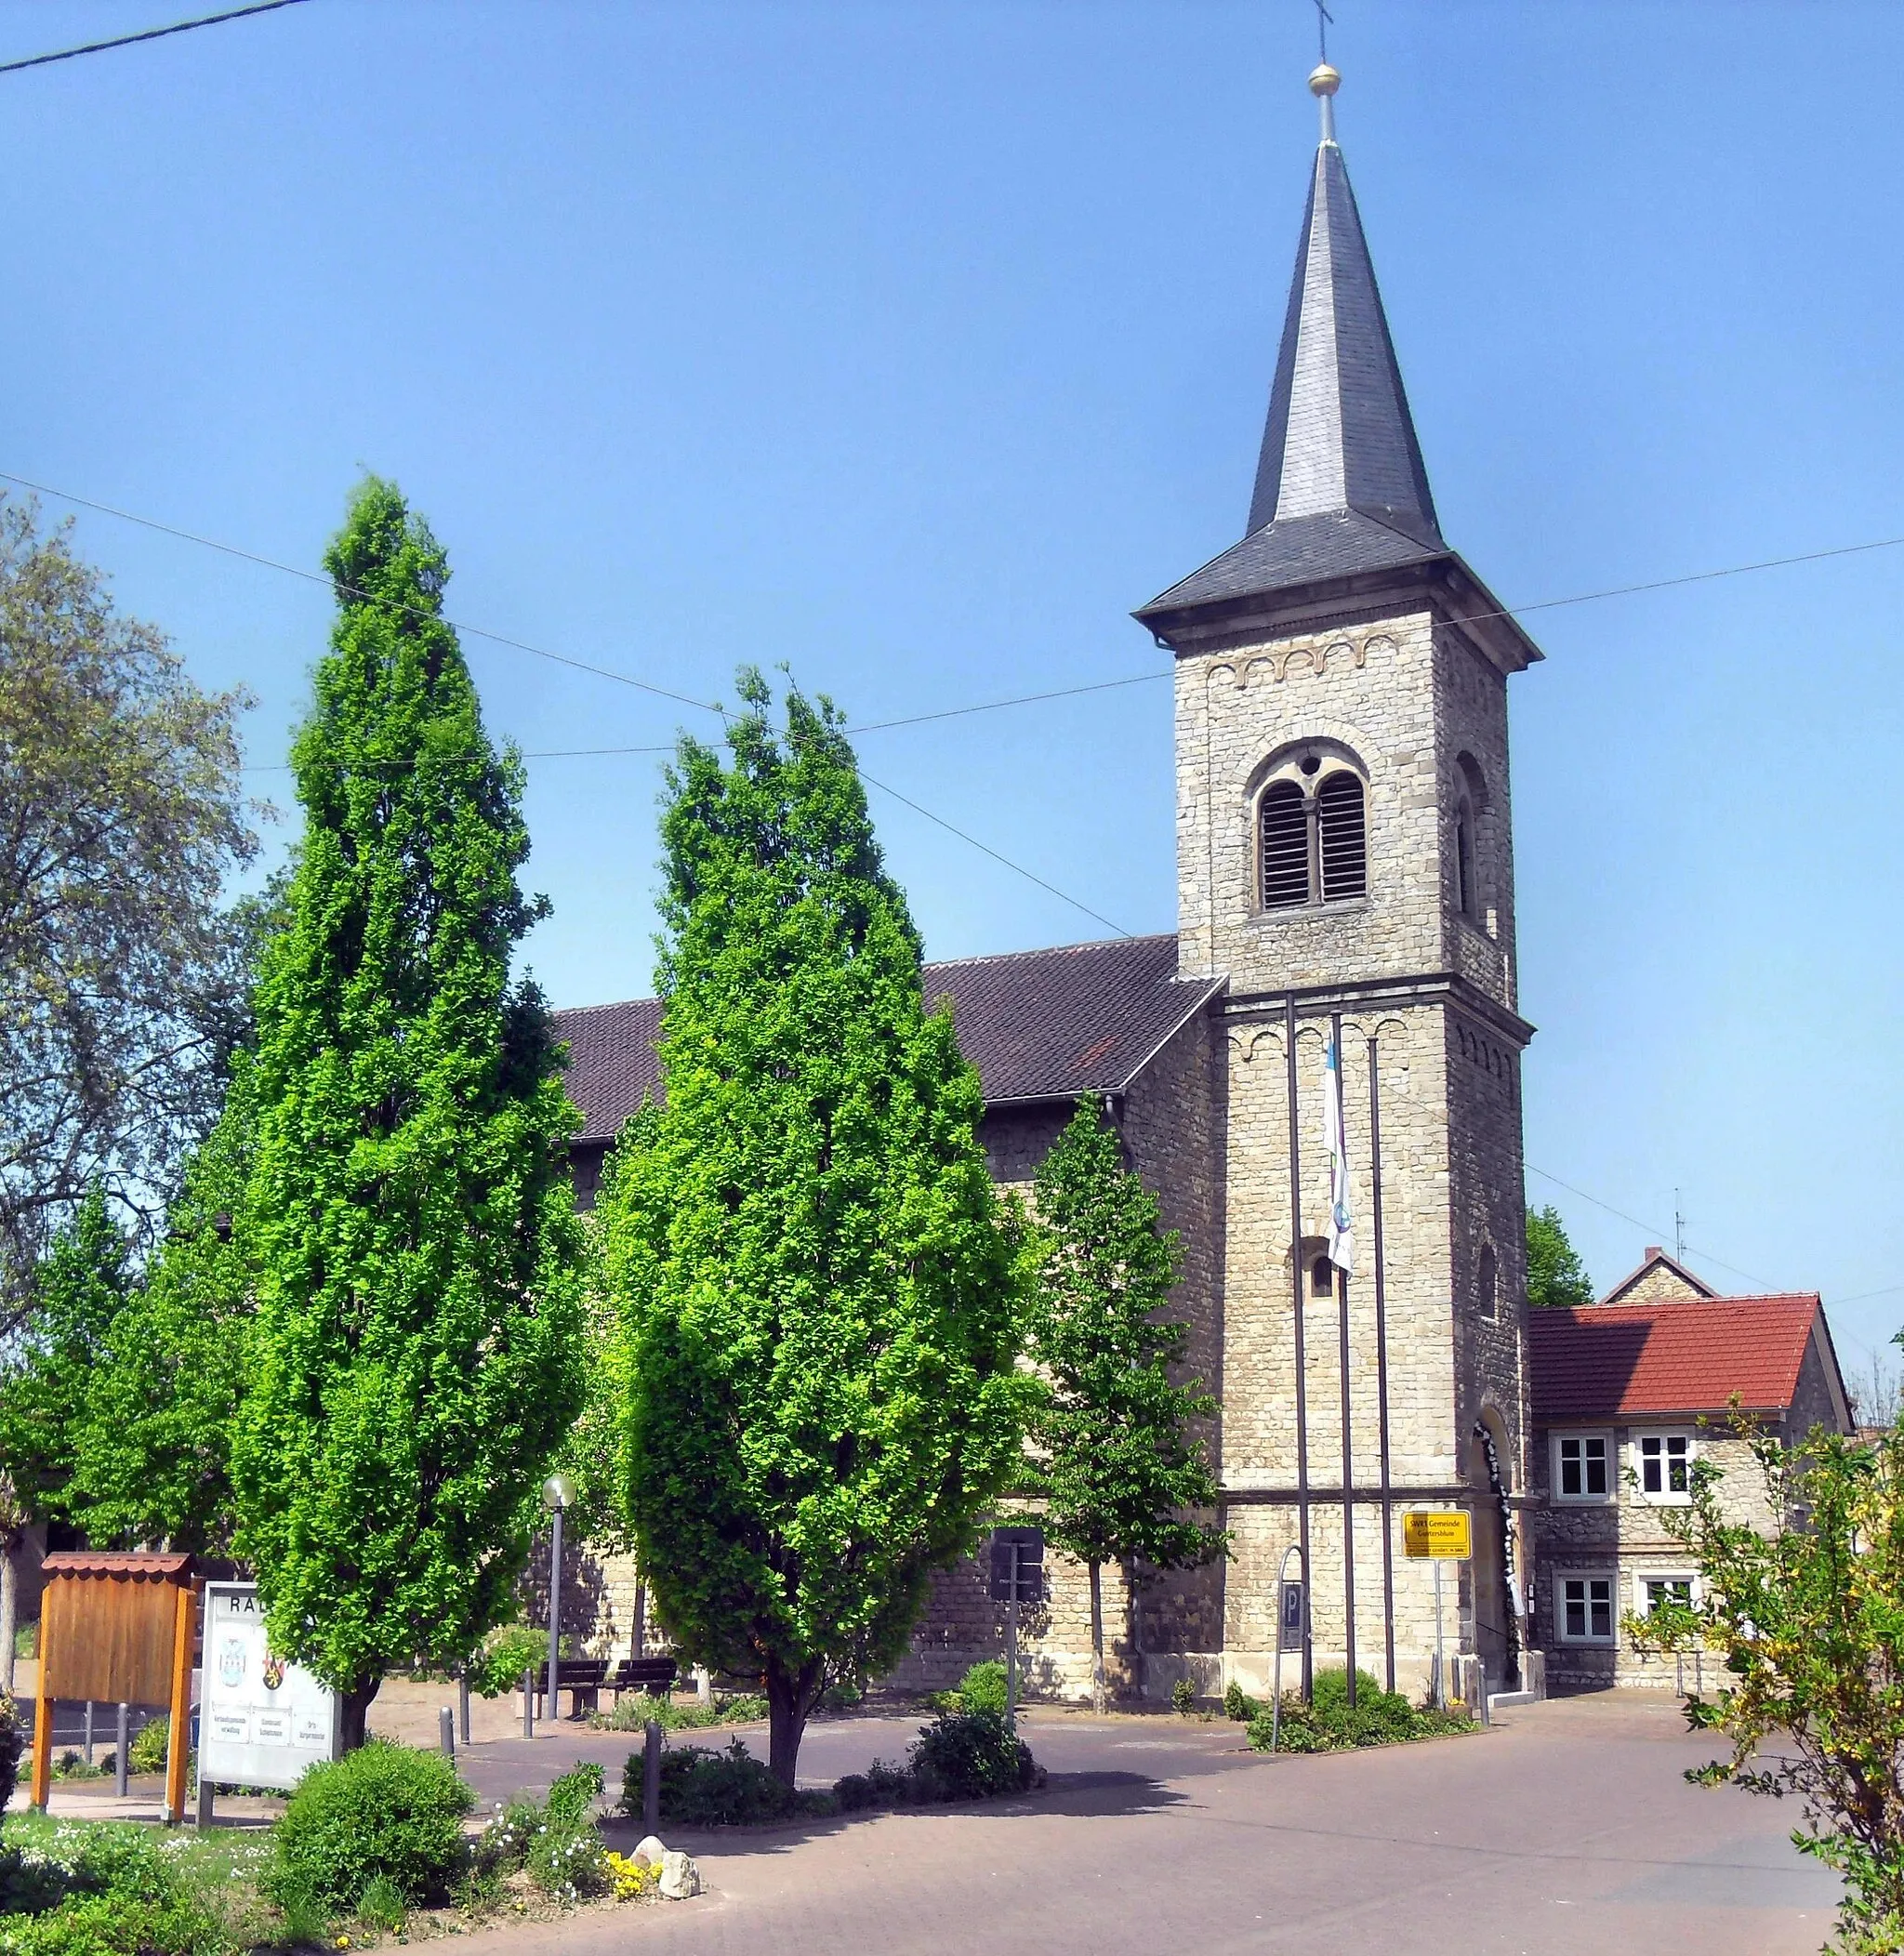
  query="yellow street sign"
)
[{"x": 1437, "y": 1534}]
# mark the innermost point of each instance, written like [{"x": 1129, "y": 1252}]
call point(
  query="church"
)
[{"x": 1344, "y": 947}]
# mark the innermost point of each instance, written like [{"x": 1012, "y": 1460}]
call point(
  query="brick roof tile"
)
[
  {"x": 1038, "y": 1024},
  {"x": 1605, "y": 1361}
]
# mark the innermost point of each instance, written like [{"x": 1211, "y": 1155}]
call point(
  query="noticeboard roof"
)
[{"x": 135, "y": 1563}]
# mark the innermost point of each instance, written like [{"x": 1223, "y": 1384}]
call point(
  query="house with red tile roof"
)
[{"x": 1626, "y": 1398}]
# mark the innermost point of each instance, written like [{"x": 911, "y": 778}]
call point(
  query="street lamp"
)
[{"x": 558, "y": 1492}]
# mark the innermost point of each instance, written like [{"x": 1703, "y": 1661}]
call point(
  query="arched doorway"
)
[{"x": 1496, "y": 1635}]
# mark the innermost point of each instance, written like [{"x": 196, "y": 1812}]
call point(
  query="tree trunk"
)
[
  {"x": 790, "y": 1697},
  {"x": 1099, "y": 1697},
  {"x": 9, "y": 1609},
  {"x": 353, "y": 1713}
]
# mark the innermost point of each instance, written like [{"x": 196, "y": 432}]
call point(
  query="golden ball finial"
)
[{"x": 1325, "y": 81}]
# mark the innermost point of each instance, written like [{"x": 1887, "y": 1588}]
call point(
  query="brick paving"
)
[{"x": 1566, "y": 1829}]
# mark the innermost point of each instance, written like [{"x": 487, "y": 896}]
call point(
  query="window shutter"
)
[
  {"x": 1284, "y": 847},
  {"x": 1345, "y": 841}
]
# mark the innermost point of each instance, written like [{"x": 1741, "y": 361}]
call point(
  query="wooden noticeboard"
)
[
  {"x": 1438, "y": 1534},
  {"x": 117, "y": 1628}
]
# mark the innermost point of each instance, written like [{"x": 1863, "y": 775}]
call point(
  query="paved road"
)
[{"x": 1568, "y": 1829}]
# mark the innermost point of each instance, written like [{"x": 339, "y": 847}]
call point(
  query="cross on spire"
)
[{"x": 1324, "y": 21}]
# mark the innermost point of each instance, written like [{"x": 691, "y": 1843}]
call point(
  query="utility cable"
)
[
  {"x": 151, "y": 33},
  {"x": 1653, "y": 1229},
  {"x": 413, "y": 611}
]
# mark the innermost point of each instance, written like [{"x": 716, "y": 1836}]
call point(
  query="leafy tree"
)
[
  {"x": 1806, "y": 1611},
  {"x": 120, "y": 980},
  {"x": 153, "y": 1438},
  {"x": 414, "y": 1361},
  {"x": 1555, "y": 1275},
  {"x": 1116, "y": 1464},
  {"x": 83, "y": 1285},
  {"x": 819, "y": 1291}
]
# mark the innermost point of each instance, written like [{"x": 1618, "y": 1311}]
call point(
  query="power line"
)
[
  {"x": 151, "y": 33},
  {"x": 985, "y": 849},
  {"x": 413, "y": 611},
  {"x": 1653, "y": 1229}
]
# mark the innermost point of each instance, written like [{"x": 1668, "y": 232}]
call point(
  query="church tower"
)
[{"x": 1344, "y": 860}]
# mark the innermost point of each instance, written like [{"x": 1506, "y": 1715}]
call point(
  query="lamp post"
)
[{"x": 558, "y": 1492}]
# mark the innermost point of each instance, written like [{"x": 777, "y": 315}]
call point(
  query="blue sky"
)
[{"x": 914, "y": 344}]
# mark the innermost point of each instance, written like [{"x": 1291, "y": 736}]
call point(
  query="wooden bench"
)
[
  {"x": 582, "y": 1678},
  {"x": 653, "y": 1676}
]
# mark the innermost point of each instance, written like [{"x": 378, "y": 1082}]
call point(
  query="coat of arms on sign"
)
[
  {"x": 273, "y": 1672},
  {"x": 231, "y": 1661}
]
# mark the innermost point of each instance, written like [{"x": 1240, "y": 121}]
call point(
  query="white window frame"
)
[
  {"x": 1642, "y": 1603},
  {"x": 1587, "y": 1639},
  {"x": 1583, "y": 1434},
  {"x": 1665, "y": 1498}
]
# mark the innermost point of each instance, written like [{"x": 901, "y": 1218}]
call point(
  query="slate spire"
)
[{"x": 1339, "y": 485}]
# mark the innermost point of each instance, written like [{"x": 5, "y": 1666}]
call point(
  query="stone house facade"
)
[{"x": 1626, "y": 1398}]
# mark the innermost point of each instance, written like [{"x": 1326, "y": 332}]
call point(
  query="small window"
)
[
  {"x": 1485, "y": 1282},
  {"x": 1586, "y": 1609},
  {"x": 1343, "y": 841},
  {"x": 1580, "y": 1462},
  {"x": 1665, "y": 1466},
  {"x": 1285, "y": 824},
  {"x": 1656, "y": 1589},
  {"x": 1322, "y": 1278}
]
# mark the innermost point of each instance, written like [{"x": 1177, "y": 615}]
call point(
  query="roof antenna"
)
[
  {"x": 1325, "y": 81},
  {"x": 1678, "y": 1230}
]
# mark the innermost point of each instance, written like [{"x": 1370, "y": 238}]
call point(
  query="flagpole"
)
[
  {"x": 1297, "y": 1276},
  {"x": 1341, "y": 1292},
  {"x": 1382, "y": 1360}
]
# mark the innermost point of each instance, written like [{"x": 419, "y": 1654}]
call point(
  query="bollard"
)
[
  {"x": 88, "y": 1731},
  {"x": 528, "y": 1704},
  {"x": 651, "y": 1776},
  {"x": 446, "y": 1732},
  {"x": 119, "y": 1759}
]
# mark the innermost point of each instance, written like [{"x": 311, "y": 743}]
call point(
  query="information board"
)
[
  {"x": 262, "y": 1721},
  {"x": 1020, "y": 1553},
  {"x": 1438, "y": 1534}
]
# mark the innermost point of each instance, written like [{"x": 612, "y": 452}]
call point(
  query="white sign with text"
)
[{"x": 262, "y": 1721}]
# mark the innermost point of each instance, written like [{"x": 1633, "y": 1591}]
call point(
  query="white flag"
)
[{"x": 1342, "y": 1239}]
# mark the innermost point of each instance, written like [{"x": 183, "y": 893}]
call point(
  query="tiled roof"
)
[
  {"x": 137, "y": 1563},
  {"x": 1605, "y": 1361},
  {"x": 1078, "y": 1019}
]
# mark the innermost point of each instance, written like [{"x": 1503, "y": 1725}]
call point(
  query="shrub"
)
[
  {"x": 150, "y": 1744},
  {"x": 983, "y": 1689},
  {"x": 497, "y": 1668},
  {"x": 383, "y": 1810},
  {"x": 1327, "y": 1725},
  {"x": 1239, "y": 1704},
  {"x": 970, "y": 1755},
  {"x": 575, "y": 1794},
  {"x": 115, "y": 1925},
  {"x": 704, "y": 1789},
  {"x": 1183, "y": 1696},
  {"x": 12, "y": 1743}
]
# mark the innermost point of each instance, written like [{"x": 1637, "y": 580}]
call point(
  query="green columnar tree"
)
[
  {"x": 82, "y": 1286},
  {"x": 415, "y": 1358},
  {"x": 819, "y": 1289},
  {"x": 1555, "y": 1275},
  {"x": 1118, "y": 1467},
  {"x": 154, "y": 1434}
]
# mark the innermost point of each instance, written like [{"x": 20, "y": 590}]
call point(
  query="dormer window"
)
[{"x": 1313, "y": 836}]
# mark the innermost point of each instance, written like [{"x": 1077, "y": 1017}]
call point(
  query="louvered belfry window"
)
[
  {"x": 1285, "y": 818},
  {"x": 1342, "y": 847}
]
